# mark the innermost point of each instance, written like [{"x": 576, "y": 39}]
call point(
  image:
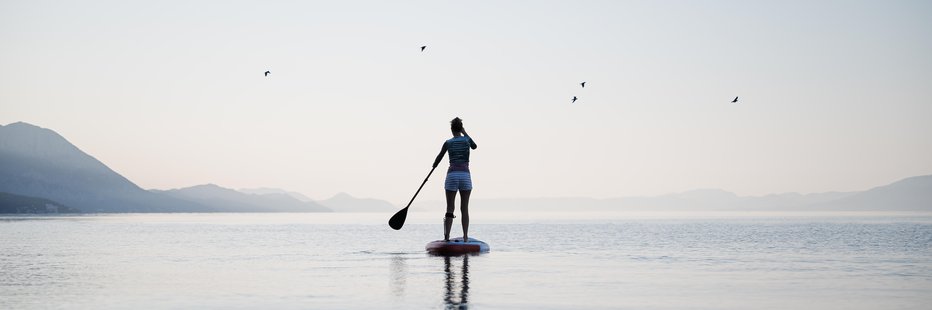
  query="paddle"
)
[{"x": 398, "y": 219}]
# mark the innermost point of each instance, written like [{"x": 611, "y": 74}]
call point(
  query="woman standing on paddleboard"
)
[{"x": 458, "y": 178}]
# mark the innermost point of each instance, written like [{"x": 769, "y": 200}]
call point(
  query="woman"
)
[{"x": 458, "y": 178}]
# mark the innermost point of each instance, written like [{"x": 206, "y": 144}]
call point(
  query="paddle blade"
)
[{"x": 398, "y": 219}]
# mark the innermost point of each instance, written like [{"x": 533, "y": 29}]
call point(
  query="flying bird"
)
[
  {"x": 574, "y": 99},
  {"x": 736, "y": 100},
  {"x": 267, "y": 73},
  {"x": 423, "y": 47},
  {"x": 583, "y": 84}
]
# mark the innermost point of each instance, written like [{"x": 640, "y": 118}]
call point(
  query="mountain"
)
[
  {"x": 269, "y": 190},
  {"x": 229, "y": 200},
  {"x": 703, "y": 199},
  {"x": 10, "y": 203},
  {"x": 720, "y": 200},
  {"x": 910, "y": 194},
  {"x": 343, "y": 202},
  {"x": 41, "y": 169},
  {"x": 38, "y": 162}
]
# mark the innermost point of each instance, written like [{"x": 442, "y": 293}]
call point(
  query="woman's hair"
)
[{"x": 456, "y": 125}]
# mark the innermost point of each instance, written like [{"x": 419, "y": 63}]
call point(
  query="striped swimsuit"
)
[{"x": 458, "y": 177}]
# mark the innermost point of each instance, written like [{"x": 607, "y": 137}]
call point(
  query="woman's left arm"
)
[{"x": 472, "y": 143}]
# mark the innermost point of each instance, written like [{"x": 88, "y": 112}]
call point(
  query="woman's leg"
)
[
  {"x": 464, "y": 208},
  {"x": 448, "y": 218}
]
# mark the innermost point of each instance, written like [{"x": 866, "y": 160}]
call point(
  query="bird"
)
[
  {"x": 583, "y": 84},
  {"x": 423, "y": 47},
  {"x": 267, "y": 73},
  {"x": 574, "y": 99},
  {"x": 736, "y": 100}
]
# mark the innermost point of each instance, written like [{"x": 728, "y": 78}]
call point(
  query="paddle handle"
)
[{"x": 422, "y": 186}]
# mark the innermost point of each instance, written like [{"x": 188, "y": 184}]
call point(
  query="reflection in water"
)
[
  {"x": 399, "y": 274},
  {"x": 450, "y": 297}
]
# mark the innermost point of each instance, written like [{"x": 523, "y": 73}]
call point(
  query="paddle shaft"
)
[
  {"x": 420, "y": 187},
  {"x": 398, "y": 219}
]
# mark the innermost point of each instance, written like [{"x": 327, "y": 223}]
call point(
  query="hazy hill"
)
[
  {"x": 910, "y": 194},
  {"x": 10, "y": 203},
  {"x": 269, "y": 190},
  {"x": 343, "y": 202},
  {"x": 49, "y": 171},
  {"x": 38, "y": 162},
  {"x": 720, "y": 200},
  {"x": 229, "y": 200}
]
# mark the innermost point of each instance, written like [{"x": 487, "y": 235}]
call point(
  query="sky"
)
[{"x": 834, "y": 95}]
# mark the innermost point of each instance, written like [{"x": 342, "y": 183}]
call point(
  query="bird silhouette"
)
[
  {"x": 574, "y": 99},
  {"x": 267, "y": 73},
  {"x": 583, "y": 84},
  {"x": 423, "y": 47},
  {"x": 736, "y": 100}
]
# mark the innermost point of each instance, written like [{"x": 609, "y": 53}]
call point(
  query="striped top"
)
[{"x": 459, "y": 152}]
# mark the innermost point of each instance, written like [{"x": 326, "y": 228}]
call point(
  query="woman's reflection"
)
[{"x": 450, "y": 297}]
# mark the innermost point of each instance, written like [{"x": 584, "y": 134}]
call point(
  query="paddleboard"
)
[{"x": 456, "y": 246}]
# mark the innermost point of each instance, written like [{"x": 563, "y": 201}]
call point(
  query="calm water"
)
[{"x": 331, "y": 261}]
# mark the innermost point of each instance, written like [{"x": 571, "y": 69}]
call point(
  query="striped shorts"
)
[{"x": 458, "y": 180}]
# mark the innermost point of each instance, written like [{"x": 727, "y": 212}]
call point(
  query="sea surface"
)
[{"x": 540, "y": 261}]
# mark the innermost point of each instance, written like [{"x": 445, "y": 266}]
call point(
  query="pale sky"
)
[{"x": 834, "y": 95}]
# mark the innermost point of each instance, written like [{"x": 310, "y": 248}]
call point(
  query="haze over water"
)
[{"x": 324, "y": 261}]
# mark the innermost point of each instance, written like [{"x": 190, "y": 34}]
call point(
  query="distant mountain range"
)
[
  {"x": 275, "y": 200},
  {"x": 228, "y": 200},
  {"x": 41, "y": 172},
  {"x": 269, "y": 190},
  {"x": 346, "y": 203},
  {"x": 39, "y": 167},
  {"x": 37, "y": 162},
  {"x": 341, "y": 202},
  {"x": 910, "y": 194}
]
